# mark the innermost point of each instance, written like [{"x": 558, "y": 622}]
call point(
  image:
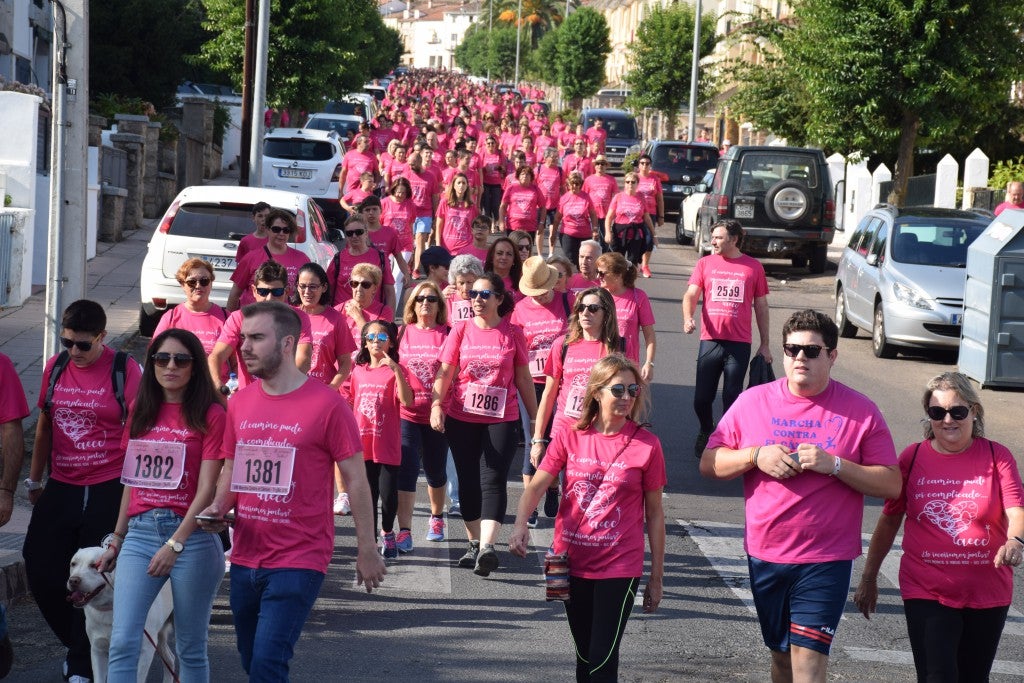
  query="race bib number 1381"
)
[{"x": 262, "y": 469}]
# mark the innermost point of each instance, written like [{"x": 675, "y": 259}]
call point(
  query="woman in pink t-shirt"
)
[
  {"x": 170, "y": 473},
  {"x": 614, "y": 477},
  {"x": 197, "y": 313},
  {"x": 455, "y": 216},
  {"x": 282, "y": 227},
  {"x": 964, "y": 505},
  {"x": 504, "y": 261},
  {"x": 379, "y": 387},
  {"x": 522, "y": 205},
  {"x": 648, "y": 186},
  {"x": 576, "y": 219},
  {"x": 333, "y": 346},
  {"x": 627, "y": 223},
  {"x": 484, "y": 368},
  {"x": 632, "y": 309}
]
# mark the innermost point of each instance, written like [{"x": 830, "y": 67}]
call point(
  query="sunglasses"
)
[
  {"x": 162, "y": 359},
  {"x": 810, "y": 350},
  {"x": 358, "y": 232},
  {"x": 630, "y": 182},
  {"x": 376, "y": 337},
  {"x": 356, "y": 284},
  {"x": 278, "y": 229},
  {"x": 270, "y": 291},
  {"x": 484, "y": 294},
  {"x": 619, "y": 390},
  {"x": 600, "y": 163},
  {"x": 525, "y": 247},
  {"x": 193, "y": 283},
  {"x": 938, "y": 413},
  {"x": 80, "y": 345},
  {"x": 601, "y": 274},
  {"x": 592, "y": 308},
  {"x": 429, "y": 298}
]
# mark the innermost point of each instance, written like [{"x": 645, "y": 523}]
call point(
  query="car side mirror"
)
[{"x": 872, "y": 259}]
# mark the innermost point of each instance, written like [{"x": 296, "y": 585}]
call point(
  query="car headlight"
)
[{"x": 911, "y": 296}]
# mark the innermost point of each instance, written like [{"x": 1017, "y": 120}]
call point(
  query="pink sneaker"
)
[
  {"x": 645, "y": 270},
  {"x": 436, "y": 531}
]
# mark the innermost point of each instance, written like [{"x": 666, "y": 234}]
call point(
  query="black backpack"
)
[{"x": 117, "y": 380}]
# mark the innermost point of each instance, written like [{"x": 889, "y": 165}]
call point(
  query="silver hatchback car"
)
[{"x": 902, "y": 277}]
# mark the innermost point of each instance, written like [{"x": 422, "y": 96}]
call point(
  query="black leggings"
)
[
  {"x": 630, "y": 240},
  {"x": 421, "y": 438},
  {"x": 66, "y": 518},
  {"x": 715, "y": 359},
  {"x": 598, "y": 610},
  {"x": 383, "y": 481},
  {"x": 571, "y": 247},
  {"x": 491, "y": 201},
  {"x": 483, "y": 453},
  {"x": 953, "y": 645}
]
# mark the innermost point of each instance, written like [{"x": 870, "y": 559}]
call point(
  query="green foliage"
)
[
  {"x": 582, "y": 49},
  {"x": 317, "y": 49},
  {"x": 543, "y": 63},
  {"x": 140, "y": 48},
  {"x": 1006, "y": 171},
  {"x": 495, "y": 51},
  {"x": 662, "y": 54},
  {"x": 221, "y": 121},
  {"x": 108, "y": 105},
  {"x": 538, "y": 16}
]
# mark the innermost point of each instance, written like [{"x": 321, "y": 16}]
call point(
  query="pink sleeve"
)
[
  {"x": 216, "y": 417},
  {"x": 644, "y": 313},
  {"x": 522, "y": 353},
  {"x": 654, "y": 474},
  {"x": 1009, "y": 477},
  {"x": 244, "y": 271},
  {"x": 555, "y": 455},
  {"x": 898, "y": 505},
  {"x": 553, "y": 365},
  {"x": 450, "y": 352},
  {"x": 230, "y": 334},
  {"x": 306, "y": 332}
]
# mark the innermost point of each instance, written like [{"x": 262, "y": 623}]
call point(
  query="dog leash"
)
[{"x": 167, "y": 665}]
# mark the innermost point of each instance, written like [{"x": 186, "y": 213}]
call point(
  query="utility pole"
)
[
  {"x": 519, "y": 29},
  {"x": 694, "y": 69},
  {"x": 259, "y": 91},
  {"x": 65, "y": 257},
  {"x": 248, "y": 60}
]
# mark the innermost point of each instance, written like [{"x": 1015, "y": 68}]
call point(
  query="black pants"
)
[
  {"x": 715, "y": 359},
  {"x": 383, "y": 480},
  {"x": 491, "y": 201},
  {"x": 66, "y": 518},
  {"x": 630, "y": 240},
  {"x": 571, "y": 247},
  {"x": 953, "y": 645},
  {"x": 420, "y": 439},
  {"x": 598, "y": 610},
  {"x": 483, "y": 454}
]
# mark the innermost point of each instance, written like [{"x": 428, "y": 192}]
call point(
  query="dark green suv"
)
[{"x": 783, "y": 198}]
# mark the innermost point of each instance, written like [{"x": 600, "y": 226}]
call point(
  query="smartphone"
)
[{"x": 229, "y": 518}]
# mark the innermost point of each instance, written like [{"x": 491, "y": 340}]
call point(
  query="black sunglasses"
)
[
  {"x": 80, "y": 345},
  {"x": 484, "y": 294},
  {"x": 162, "y": 359},
  {"x": 270, "y": 291},
  {"x": 356, "y": 284},
  {"x": 358, "y": 232},
  {"x": 593, "y": 308},
  {"x": 810, "y": 350},
  {"x": 938, "y": 413},
  {"x": 619, "y": 390},
  {"x": 278, "y": 229},
  {"x": 601, "y": 274},
  {"x": 198, "y": 282},
  {"x": 429, "y": 298}
]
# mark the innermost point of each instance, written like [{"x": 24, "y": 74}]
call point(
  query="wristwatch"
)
[
  {"x": 32, "y": 485},
  {"x": 176, "y": 546}
]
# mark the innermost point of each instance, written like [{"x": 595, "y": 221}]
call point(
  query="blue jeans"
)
[
  {"x": 195, "y": 577},
  {"x": 270, "y": 608}
]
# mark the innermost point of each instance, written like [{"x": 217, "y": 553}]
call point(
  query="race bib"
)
[
  {"x": 153, "y": 464},
  {"x": 462, "y": 310},
  {"x": 484, "y": 400},
  {"x": 729, "y": 291},
  {"x": 262, "y": 469},
  {"x": 538, "y": 359},
  {"x": 574, "y": 402}
]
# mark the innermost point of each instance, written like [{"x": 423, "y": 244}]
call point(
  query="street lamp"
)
[{"x": 519, "y": 30}]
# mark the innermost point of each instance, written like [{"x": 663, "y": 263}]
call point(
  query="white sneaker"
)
[
  {"x": 79, "y": 679},
  {"x": 342, "y": 505}
]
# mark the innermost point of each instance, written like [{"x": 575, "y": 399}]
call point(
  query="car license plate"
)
[
  {"x": 956, "y": 319},
  {"x": 218, "y": 262},
  {"x": 744, "y": 211},
  {"x": 298, "y": 173},
  {"x": 678, "y": 188}
]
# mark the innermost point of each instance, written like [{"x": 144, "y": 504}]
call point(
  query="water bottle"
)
[{"x": 232, "y": 383}]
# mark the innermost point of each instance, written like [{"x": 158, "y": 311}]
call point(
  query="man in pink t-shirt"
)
[
  {"x": 283, "y": 437},
  {"x": 356, "y": 162},
  {"x": 732, "y": 285},
  {"x": 809, "y": 449}
]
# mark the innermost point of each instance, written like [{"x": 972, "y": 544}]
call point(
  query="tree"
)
[
  {"x": 886, "y": 76},
  {"x": 662, "y": 54},
  {"x": 158, "y": 33},
  {"x": 318, "y": 51},
  {"x": 582, "y": 49},
  {"x": 482, "y": 51},
  {"x": 539, "y": 16}
]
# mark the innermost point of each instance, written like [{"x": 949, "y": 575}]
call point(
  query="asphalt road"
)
[{"x": 435, "y": 622}]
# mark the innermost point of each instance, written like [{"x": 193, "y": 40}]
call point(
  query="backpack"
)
[
  {"x": 117, "y": 380},
  {"x": 336, "y": 264}
]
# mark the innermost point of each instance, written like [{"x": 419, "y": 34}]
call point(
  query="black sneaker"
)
[
  {"x": 468, "y": 561},
  {"x": 700, "y": 444},
  {"x": 551, "y": 501},
  {"x": 486, "y": 561},
  {"x": 532, "y": 521}
]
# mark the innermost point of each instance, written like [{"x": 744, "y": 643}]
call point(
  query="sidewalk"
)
[{"x": 113, "y": 281}]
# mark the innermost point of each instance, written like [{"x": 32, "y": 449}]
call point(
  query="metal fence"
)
[
  {"x": 920, "y": 191},
  {"x": 114, "y": 167},
  {"x": 6, "y": 245}
]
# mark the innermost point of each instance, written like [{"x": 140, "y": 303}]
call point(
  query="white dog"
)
[{"x": 90, "y": 591}]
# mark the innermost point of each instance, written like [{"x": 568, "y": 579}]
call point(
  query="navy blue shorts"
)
[{"x": 800, "y": 604}]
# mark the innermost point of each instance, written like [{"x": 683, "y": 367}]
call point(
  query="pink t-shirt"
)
[
  {"x": 386, "y": 239},
  {"x": 231, "y": 334},
  {"x": 245, "y": 272},
  {"x": 249, "y": 243},
  {"x": 399, "y": 217},
  {"x": 601, "y": 189},
  {"x": 575, "y": 208},
  {"x": 418, "y": 355},
  {"x": 375, "y": 404},
  {"x": 542, "y": 324},
  {"x": 811, "y": 517},
  {"x": 86, "y": 418},
  {"x": 294, "y": 530},
  {"x": 549, "y": 182},
  {"x": 479, "y": 252},
  {"x": 649, "y": 187},
  {"x": 598, "y": 136},
  {"x": 494, "y": 168},
  {"x": 522, "y": 204},
  {"x": 339, "y": 273},
  {"x": 955, "y": 507},
  {"x": 457, "y": 232},
  {"x": 632, "y": 311},
  {"x": 13, "y": 405},
  {"x": 573, "y": 375},
  {"x": 578, "y": 283},
  {"x": 601, "y": 517},
  {"x": 171, "y": 426},
  {"x": 424, "y": 188},
  {"x": 331, "y": 341},
  {"x": 627, "y": 209},
  {"x": 355, "y": 196},
  {"x": 355, "y": 164},
  {"x": 582, "y": 164},
  {"x": 729, "y": 287},
  {"x": 206, "y": 326},
  {"x": 486, "y": 361}
]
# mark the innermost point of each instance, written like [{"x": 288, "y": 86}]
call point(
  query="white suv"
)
[
  {"x": 307, "y": 161},
  {"x": 207, "y": 222}
]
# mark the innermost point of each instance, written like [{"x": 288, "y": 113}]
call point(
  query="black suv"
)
[
  {"x": 783, "y": 198},
  {"x": 680, "y": 166}
]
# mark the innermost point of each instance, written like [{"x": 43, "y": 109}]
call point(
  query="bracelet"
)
[
  {"x": 543, "y": 441},
  {"x": 752, "y": 455},
  {"x": 838, "y": 466},
  {"x": 114, "y": 533},
  {"x": 651, "y": 363},
  {"x": 108, "y": 541}
]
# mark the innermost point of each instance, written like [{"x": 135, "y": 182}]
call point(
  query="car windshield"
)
[
  {"x": 339, "y": 126},
  {"x": 298, "y": 149},
  {"x": 346, "y": 107},
  {"x": 227, "y": 221},
  {"x": 621, "y": 129},
  {"x": 678, "y": 157},
  {"x": 761, "y": 170},
  {"x": 935, "y": 243}
]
